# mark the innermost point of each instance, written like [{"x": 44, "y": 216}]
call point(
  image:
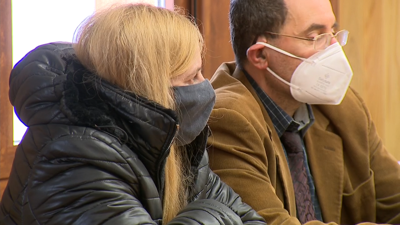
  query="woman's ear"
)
[{"x": 257, "y": 54}]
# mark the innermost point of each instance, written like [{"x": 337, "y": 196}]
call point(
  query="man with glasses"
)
[{"x": 288, "y": 134}]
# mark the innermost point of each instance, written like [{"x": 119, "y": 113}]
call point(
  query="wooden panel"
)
[
  {"x": 391, "y": 72},
  {"x": 6, "y": 117},
  {"x": 185, "y": 4},
  {"x": 214, "y": 23},
  {"x": 100, "y": 4},
  {"x": 212, "y": 19},
  {"x": 373, "y": 51},
  {"x": 335, "y": 7}
]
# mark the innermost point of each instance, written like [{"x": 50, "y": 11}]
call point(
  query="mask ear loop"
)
[
  {"x": 281, "y": 79},
  {"x": 284, "y": 52}
]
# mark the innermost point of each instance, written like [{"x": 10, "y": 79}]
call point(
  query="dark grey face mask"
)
[{"x": 194, "y": 105}]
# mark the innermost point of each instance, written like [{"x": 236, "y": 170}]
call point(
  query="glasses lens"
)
[
  {"x": 322, "y": 41},
  {"x": 342, "y": 36}
]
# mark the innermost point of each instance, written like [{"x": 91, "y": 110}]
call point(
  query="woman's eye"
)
[
  {"x": 191, "y": 81},
  {"x": 194, "y": 78}
]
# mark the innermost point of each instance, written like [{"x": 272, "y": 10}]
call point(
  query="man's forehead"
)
[
  {"x": 306, "y": 14},
  {"x": 308, "y": 5}
]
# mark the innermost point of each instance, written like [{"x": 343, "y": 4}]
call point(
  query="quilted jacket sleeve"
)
[
  {"x": 79, "y": 179},
  {"x": 221, "y": 192},
  {"x": 216, "y": 202},
  {"x": 222, "y": 206},
  {"x": 206, "y": 211}
]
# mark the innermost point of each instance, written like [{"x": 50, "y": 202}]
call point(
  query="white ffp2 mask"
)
[{"x": 323, "y": 78}]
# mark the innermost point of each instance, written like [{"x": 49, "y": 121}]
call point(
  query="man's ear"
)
[{"x": 257, "y": 54}]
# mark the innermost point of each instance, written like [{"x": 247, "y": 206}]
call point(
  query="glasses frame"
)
[{"x": 333, "y": 35}]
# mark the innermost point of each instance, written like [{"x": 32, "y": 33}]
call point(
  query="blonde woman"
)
[{"x": 117, "y": 128}]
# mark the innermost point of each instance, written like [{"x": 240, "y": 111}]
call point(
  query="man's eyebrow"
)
[
  {"x": 315, "y": 26},
  {"x": 335, "y": 25}
]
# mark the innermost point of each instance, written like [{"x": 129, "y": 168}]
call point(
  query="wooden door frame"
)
[
  {"x": 7, "y": 148},
  {"x": 335, "y": 8}
]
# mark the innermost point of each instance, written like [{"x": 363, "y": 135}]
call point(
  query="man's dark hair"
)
[{"x": 248, "y": 19}]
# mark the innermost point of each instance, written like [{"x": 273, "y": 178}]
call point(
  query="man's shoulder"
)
[
  {"x": 235, "y": 98},
  {"x": 230, "y": 91}
]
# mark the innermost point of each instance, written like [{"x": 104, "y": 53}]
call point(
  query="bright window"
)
[{"x": 42, "y": 21}]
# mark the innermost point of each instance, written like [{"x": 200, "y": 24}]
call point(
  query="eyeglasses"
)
[{"x": 322, "y": 41}]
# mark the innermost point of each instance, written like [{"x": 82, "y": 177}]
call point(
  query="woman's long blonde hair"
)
[{"x": 140, "y": 48}]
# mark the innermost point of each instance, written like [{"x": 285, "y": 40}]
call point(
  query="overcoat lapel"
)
[
  {"x": 282, "y": 167},
  {"x": 325, "y": 157}
]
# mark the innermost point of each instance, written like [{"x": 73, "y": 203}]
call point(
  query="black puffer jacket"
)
[{"x": 94, "y": 154}]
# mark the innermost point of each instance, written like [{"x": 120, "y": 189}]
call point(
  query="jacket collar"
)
[
  {"x": 325, "y": 154},
  {"x": 145, "y": 126},
  {"x": 283, "y": 168}
]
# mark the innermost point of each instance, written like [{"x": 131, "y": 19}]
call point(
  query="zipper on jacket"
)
[{"x": 161, "y": 171}]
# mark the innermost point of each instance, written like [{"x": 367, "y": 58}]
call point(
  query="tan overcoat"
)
[{"x": 356, "y": 179}]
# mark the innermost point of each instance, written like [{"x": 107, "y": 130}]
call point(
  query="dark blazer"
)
[
  {"x": 95, "y": 154},
  {"x": 356, "y": 179}
]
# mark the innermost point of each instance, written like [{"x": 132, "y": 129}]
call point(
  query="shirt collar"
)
[{"x": 303, "y": 117}]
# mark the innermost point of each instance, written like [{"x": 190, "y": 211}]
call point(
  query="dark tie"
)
[{"x": 296, "y": 158}]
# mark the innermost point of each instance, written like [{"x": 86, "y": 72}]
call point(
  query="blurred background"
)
[{"x": 373, "y": 50}]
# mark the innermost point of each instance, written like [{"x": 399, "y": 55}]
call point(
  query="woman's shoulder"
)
[{"x": 66, "y": 142}]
